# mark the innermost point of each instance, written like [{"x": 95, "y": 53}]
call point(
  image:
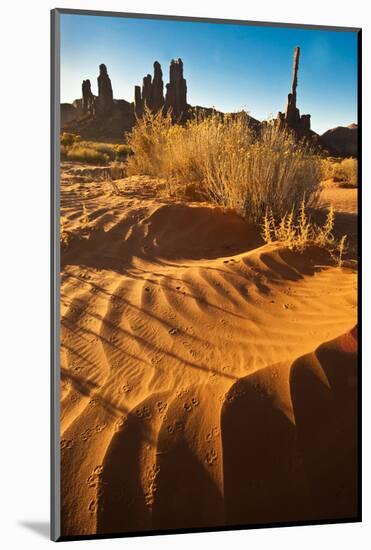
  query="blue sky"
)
[{"x": 228, "y": 66}]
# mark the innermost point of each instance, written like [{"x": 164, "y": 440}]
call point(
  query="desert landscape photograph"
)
[{"x": 208, "y": 275}]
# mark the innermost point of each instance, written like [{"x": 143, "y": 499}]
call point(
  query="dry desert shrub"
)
[
  {"x": 148, "y": 140},
  {"x": 88, "y": 155},
  {"x": 68, "y": 139},
  {"x": 343, "y": 171},
  {"x": 346, "y": 172},
  {"x": 92, "y": 152},
  {"x": 227, "y": 162},
  {"x": 297, "y": 231}
]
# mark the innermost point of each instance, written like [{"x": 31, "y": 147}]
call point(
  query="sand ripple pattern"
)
[{"x": 207, "y": 379}]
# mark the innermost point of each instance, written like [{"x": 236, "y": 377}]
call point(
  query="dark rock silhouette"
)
[
  {"x": 152, "y": 93},
  {"x": 138, "y": 101},
  {"x": 341, "y": 141},
  {"x": 105, "y": 117},
  {"x": 176, "y": 90},
  {"x": 291, "y": 118},
  {"x": 147, "y": 91},
  {"x": 105, "y": 94},
  {"x": 87, "y": 97},
  {"x": 157, "y": 87}
]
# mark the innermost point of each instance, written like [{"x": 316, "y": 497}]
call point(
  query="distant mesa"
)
[
  {"x": 341, "y": 141},
  {"x": 103, "y": 117}
]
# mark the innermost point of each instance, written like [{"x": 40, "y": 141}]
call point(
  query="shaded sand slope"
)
[{"x": 204, "y": 381}]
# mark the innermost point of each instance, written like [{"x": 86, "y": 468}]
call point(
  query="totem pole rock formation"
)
[
  {"x": 176, "y": 90},
  {"x": 105, "y": 94},
  {"x": 291, "y": 118},
  {"x": 152, "y": 92},
  {"x": 87, "y": 97}
]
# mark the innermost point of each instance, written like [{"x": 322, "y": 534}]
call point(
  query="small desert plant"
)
[
  {"x": 297, "y": 231},
  {"x": 86, "y": 154},
  {"x": 324, "y": 234},
  {"x": 123, "y": 152},
  {"x": 106, "y": 149},
  {"x": 68, "y": 139},
  {"x": 346, "y": 172},
  {"x": 340, "y": 250}
]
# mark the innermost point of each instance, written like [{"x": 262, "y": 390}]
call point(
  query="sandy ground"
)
[{"x": 207, "y": 379}]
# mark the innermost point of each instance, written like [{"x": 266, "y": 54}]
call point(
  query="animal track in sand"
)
[
  {"x": 211, "y": 457},
  {"x": 143, "y": 412},
  {"x": 190, "y": 405},
  {"x": 120, "y": 423},
  {"x": 161, "y": 407},
  {"x": 125, "y": 388},
  {"x": 95, "y": 477},
  {"x": 213, "y": 434},
  {"x": 176, "y": 426},
  {"x": 66, "y": 443}
]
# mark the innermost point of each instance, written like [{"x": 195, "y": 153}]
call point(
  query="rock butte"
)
[{"x": 103, "y": 116}]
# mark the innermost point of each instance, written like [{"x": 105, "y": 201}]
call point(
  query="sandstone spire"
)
[
  {"x": 138, "y": 101},
  {"x": 176, "y": 90},
  {"x": 87, "y": 97},
  {"x": 105, "y": 94},
  {"x": 157, "y": 96}
]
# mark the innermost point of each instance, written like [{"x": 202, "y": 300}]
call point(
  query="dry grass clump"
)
[
  {"x": 68, "y": 139},
  {"x": 343, "y": 171},
  {"x": 91, "y": 152},
  {"x": 226, "y": 163},
  {"x": 346, "y": 172},
  {"x": 123, "y": 152},
  {"x": 297, "y": 231},
  {"x": 87, "y": 155}
]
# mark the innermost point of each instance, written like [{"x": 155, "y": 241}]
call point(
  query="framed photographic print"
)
[{"x": 206, "y": 181}]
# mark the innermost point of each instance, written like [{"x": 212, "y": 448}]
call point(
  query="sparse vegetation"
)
[
  {"x": 84, "y": 154},
  {"x": 91, "y": 152},
  {"x": 345, "y": 171},
  {"x": 297, "y": 231},
  {"x": 123, "y": 152},
  {"x": 227, "y": 163},
  {"x": 68, "y": 139}
]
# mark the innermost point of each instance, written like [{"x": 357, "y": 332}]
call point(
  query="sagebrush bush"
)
[
  {"x": 106, "y": 149},
  {"x": 85, "y": 154},
  {"x": 123, "y": 151},
  {"x": 68, "y": 139},
  {"x": 227, "y": 162},
  {"x": 346, "y": 172},
  {"x": 343, "y": 171}
]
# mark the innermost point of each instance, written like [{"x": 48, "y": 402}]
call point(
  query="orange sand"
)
[{"x": 205, "y": 380}]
